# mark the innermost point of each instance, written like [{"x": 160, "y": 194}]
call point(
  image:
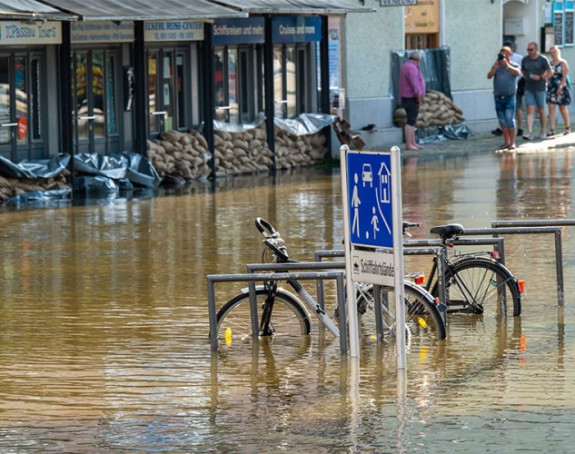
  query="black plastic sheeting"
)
[
  {"x": 434, "y": 66},
  {"x": 94, "y": 173},
  {"x": 434, "y": 134},
  {"x": 123, "y": 170}
]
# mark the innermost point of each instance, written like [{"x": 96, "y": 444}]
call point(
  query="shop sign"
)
[
  {"x": 34, "y": 33},
  {"x": 101, "y": 32},
  {"x": 173, "y": 30},
  {"x": 296, "y": 29},
  {"x": 422, "y": 18},
  {"x": 238, "y": 31},
  {"x": 22, "y": 128}
]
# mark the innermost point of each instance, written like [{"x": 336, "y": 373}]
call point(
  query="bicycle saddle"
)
[{"x": 447, "y": 231}]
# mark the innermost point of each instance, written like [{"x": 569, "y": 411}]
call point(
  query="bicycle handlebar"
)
[{"x": 273, "y": 240}]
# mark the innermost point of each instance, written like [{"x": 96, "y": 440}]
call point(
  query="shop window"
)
[
  {"x": 292, "y": 80},
  {"x": 167, "y": 105},
  {"x": 237, "y": 100},
  {"x": 422, "y": 25}
]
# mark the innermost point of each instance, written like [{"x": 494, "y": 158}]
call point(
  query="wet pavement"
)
[{"x": 487, "y": 142}]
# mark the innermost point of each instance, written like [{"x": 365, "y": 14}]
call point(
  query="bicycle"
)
[
  {"x": 283, "y": 314},
  {"x": 475, "y": 283}
]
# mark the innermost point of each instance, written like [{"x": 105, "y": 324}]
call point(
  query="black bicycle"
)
[
  {"x": 475, "y": 283},
  {"x": 285, "y": 314}
]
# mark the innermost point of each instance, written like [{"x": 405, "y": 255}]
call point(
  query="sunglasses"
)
[{"x": 529, "y": 49}]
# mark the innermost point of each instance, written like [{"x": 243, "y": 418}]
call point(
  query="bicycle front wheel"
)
[
  {"x": 422, "y": 318},
  {"x": 482, "y": 286},
  {"x": 288, "y": 320}
]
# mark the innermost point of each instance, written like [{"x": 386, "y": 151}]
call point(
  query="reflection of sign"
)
[
  {"x": 369, "y": 198},
  {"x": 373, "y": 267},
  {"x": 22, "y": 128},
  {"x": 422, "y": 18}
]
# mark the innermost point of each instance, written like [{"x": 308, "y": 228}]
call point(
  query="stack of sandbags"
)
[
  {"x": 437, "y": 109},
  {"x": 10, "y": 187},
  {"x": 179, "y": 154},
  {"x": 242, "y": 152},
  {"x": 298, "y": 151}
]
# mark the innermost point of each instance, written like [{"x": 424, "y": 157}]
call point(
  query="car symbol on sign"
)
[{"x": 367, "y": 175}]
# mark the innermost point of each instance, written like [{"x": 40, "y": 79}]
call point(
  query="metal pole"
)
[
  {"x": 398, "y": 257},
  {"x": 559, "y": 268},
  {"x": 212, "y": 314},
  {"x": 341, "y": 304},
  {"x": 254, "y": 310}
]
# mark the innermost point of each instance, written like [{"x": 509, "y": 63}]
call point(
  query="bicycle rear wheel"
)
[
  {"x": 422, "y": 318},
  {"x": 481, "y": 286},
  {"x": 289, "y": 319}
]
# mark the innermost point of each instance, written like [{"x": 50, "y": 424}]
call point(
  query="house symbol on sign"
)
[{"x": 384, "y": 183}]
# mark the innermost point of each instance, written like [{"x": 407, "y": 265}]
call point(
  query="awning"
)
[
  {"x": 117, "y": 10},
  {"x": 298, "y": 6},
  {"x": 31, "y": 10}
]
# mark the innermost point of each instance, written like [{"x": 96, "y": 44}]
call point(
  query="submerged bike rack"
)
[
  {"x": 533, "y": 227},
  {"x": 252, "y": 278}
]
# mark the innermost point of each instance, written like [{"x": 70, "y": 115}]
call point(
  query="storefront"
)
[{"x": 28, "y": 56}]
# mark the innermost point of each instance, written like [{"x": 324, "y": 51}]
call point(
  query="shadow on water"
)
[{"x": 104, "y": 324}]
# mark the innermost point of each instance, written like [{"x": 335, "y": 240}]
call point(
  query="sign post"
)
[{"x": 373, "y": 231}]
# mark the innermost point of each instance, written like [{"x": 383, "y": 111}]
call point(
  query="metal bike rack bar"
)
[
  {"x": 533, "y": 230},
  {"x": 408, "y": 250},
  {"x": 252, "y": 278}
]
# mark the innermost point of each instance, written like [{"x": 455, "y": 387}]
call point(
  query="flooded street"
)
[{"x": 104, "y": 325}]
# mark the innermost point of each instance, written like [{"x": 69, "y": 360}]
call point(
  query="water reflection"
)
[{"x": 104, "y": 327}]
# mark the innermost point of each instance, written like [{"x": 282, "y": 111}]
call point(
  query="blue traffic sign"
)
[{"x": 370, "y": 199}]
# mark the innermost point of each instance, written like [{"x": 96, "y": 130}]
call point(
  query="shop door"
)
[
  {"x": 95, "y": 95},
  {"x": 19, "y": 107}
]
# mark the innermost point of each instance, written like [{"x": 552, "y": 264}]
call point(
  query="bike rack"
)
[
  {"x": 252, "y": 278},
  {"x": 319, "y": 255},
  {"x": 538, "y": 227}
]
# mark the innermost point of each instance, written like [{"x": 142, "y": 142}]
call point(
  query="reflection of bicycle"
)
[
  {"x": 475, "y": 283},
  {"x": 284, "y": 315}
]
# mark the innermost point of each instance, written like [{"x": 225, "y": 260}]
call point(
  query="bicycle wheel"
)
[
  {"x": 422, "y": 318},
  {"x": 289, "y": 318},
  {"x": 481, "y": 286}
]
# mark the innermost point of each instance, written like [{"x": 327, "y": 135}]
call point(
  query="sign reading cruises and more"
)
[
  {"x": 173, "y": 30},
  {"x": 238, "y": 31},
  {"x": 296, "y": 29},
  {"x": 35, "y": 33},
  {"x": 101, "y": 32}
]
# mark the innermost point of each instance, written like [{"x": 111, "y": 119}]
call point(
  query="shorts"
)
[
  {"x": 505, "y": 109},
  {"x": 536, "y": 98},
  {"x": 411, "y": 109}
]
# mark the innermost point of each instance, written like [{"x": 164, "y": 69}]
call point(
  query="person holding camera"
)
[
  {"x": 504, "y": 74},
  {"x": 537, "y": 70}
]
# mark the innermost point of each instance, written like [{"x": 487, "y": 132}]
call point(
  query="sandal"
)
[
  {"x": 567, "y": 130},
  {"x": 551, "y": 132}
]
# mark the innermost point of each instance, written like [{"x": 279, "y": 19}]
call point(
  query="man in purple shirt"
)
[{"x": 411, "y": 91}]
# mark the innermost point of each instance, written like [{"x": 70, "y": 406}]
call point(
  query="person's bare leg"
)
[
  {"x": 543, "y": 120},
  {"x": 530, "y": 113},
  {"x": 566, "y": 119},
  {"x": 506, "y": 142},
  {"x": 519, "y": 117},
  {"x": 551, "y": 118}
]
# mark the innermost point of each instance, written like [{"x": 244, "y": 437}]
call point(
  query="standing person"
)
[
  {"x": 537, "y": 70},
  {"x": 517, "y": 58},
  {"x": 558, "y": 90},
  {"x": 411, "y": 91},
  {"x": 504, "y": 74}
]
